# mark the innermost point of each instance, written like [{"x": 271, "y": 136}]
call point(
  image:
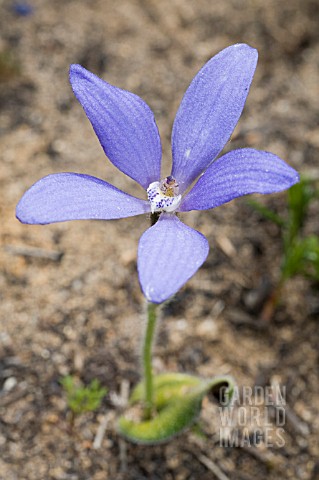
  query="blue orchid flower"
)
[{"x": 169, "y": 252}]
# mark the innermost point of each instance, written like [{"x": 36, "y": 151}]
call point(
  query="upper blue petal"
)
[
  {"x": 123, "y": 123},
  {"x": 169, "y": 253},
  {"x": 73, "y": 196},
  {"x": 238, "y": 173},
  {"x": 210, "y": 111}
]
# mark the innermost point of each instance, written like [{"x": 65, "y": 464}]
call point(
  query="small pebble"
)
[{"x": 9, "y": 384}]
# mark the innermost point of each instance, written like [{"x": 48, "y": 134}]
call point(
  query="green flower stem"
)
[{"x": 147, "y": 360}]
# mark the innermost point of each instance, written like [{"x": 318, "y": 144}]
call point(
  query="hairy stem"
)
[{"x": 147, "y": 359}]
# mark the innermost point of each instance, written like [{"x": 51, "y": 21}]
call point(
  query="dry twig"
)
[
  {"x": 219, "y": 474},
  {"x": 101, "y": 432},
  {"x": 35, "y": 252}
]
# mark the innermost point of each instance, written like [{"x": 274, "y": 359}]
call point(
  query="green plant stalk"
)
[{"x": 147, "y": 360}]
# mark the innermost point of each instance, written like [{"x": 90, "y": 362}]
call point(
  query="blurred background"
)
[{"x": 70, "y": 301}]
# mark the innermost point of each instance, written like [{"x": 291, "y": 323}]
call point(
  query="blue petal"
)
[
  {"x": 210, "y": 111},
  {"x": 169, "y": 253},
  {"x": 123, "y": 123},
  {"x": 72, "y": 196},
  {"x": 238, "y": 173}
]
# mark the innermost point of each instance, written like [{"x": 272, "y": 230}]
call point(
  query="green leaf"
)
[
  {"x": 302, "y": 257},
  {"x": 166, "y": 386},
  {"x": 177, "y": 399},
  {"x": 82, "y": 399},
  {"x": 299, "y": 198}
]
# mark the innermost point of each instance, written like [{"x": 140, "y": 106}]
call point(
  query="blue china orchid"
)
[{"x": 169, "y": 252}]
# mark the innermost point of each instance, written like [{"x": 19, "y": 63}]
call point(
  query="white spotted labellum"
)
[
  {"x": 163, "y": 196},
  {"x": 169, "y": 252}
]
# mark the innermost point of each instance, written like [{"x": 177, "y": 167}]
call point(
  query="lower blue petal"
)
[{"x": 169, "y": 253}]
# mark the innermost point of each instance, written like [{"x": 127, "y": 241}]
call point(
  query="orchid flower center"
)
[{"x": 163, "y": 196}]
